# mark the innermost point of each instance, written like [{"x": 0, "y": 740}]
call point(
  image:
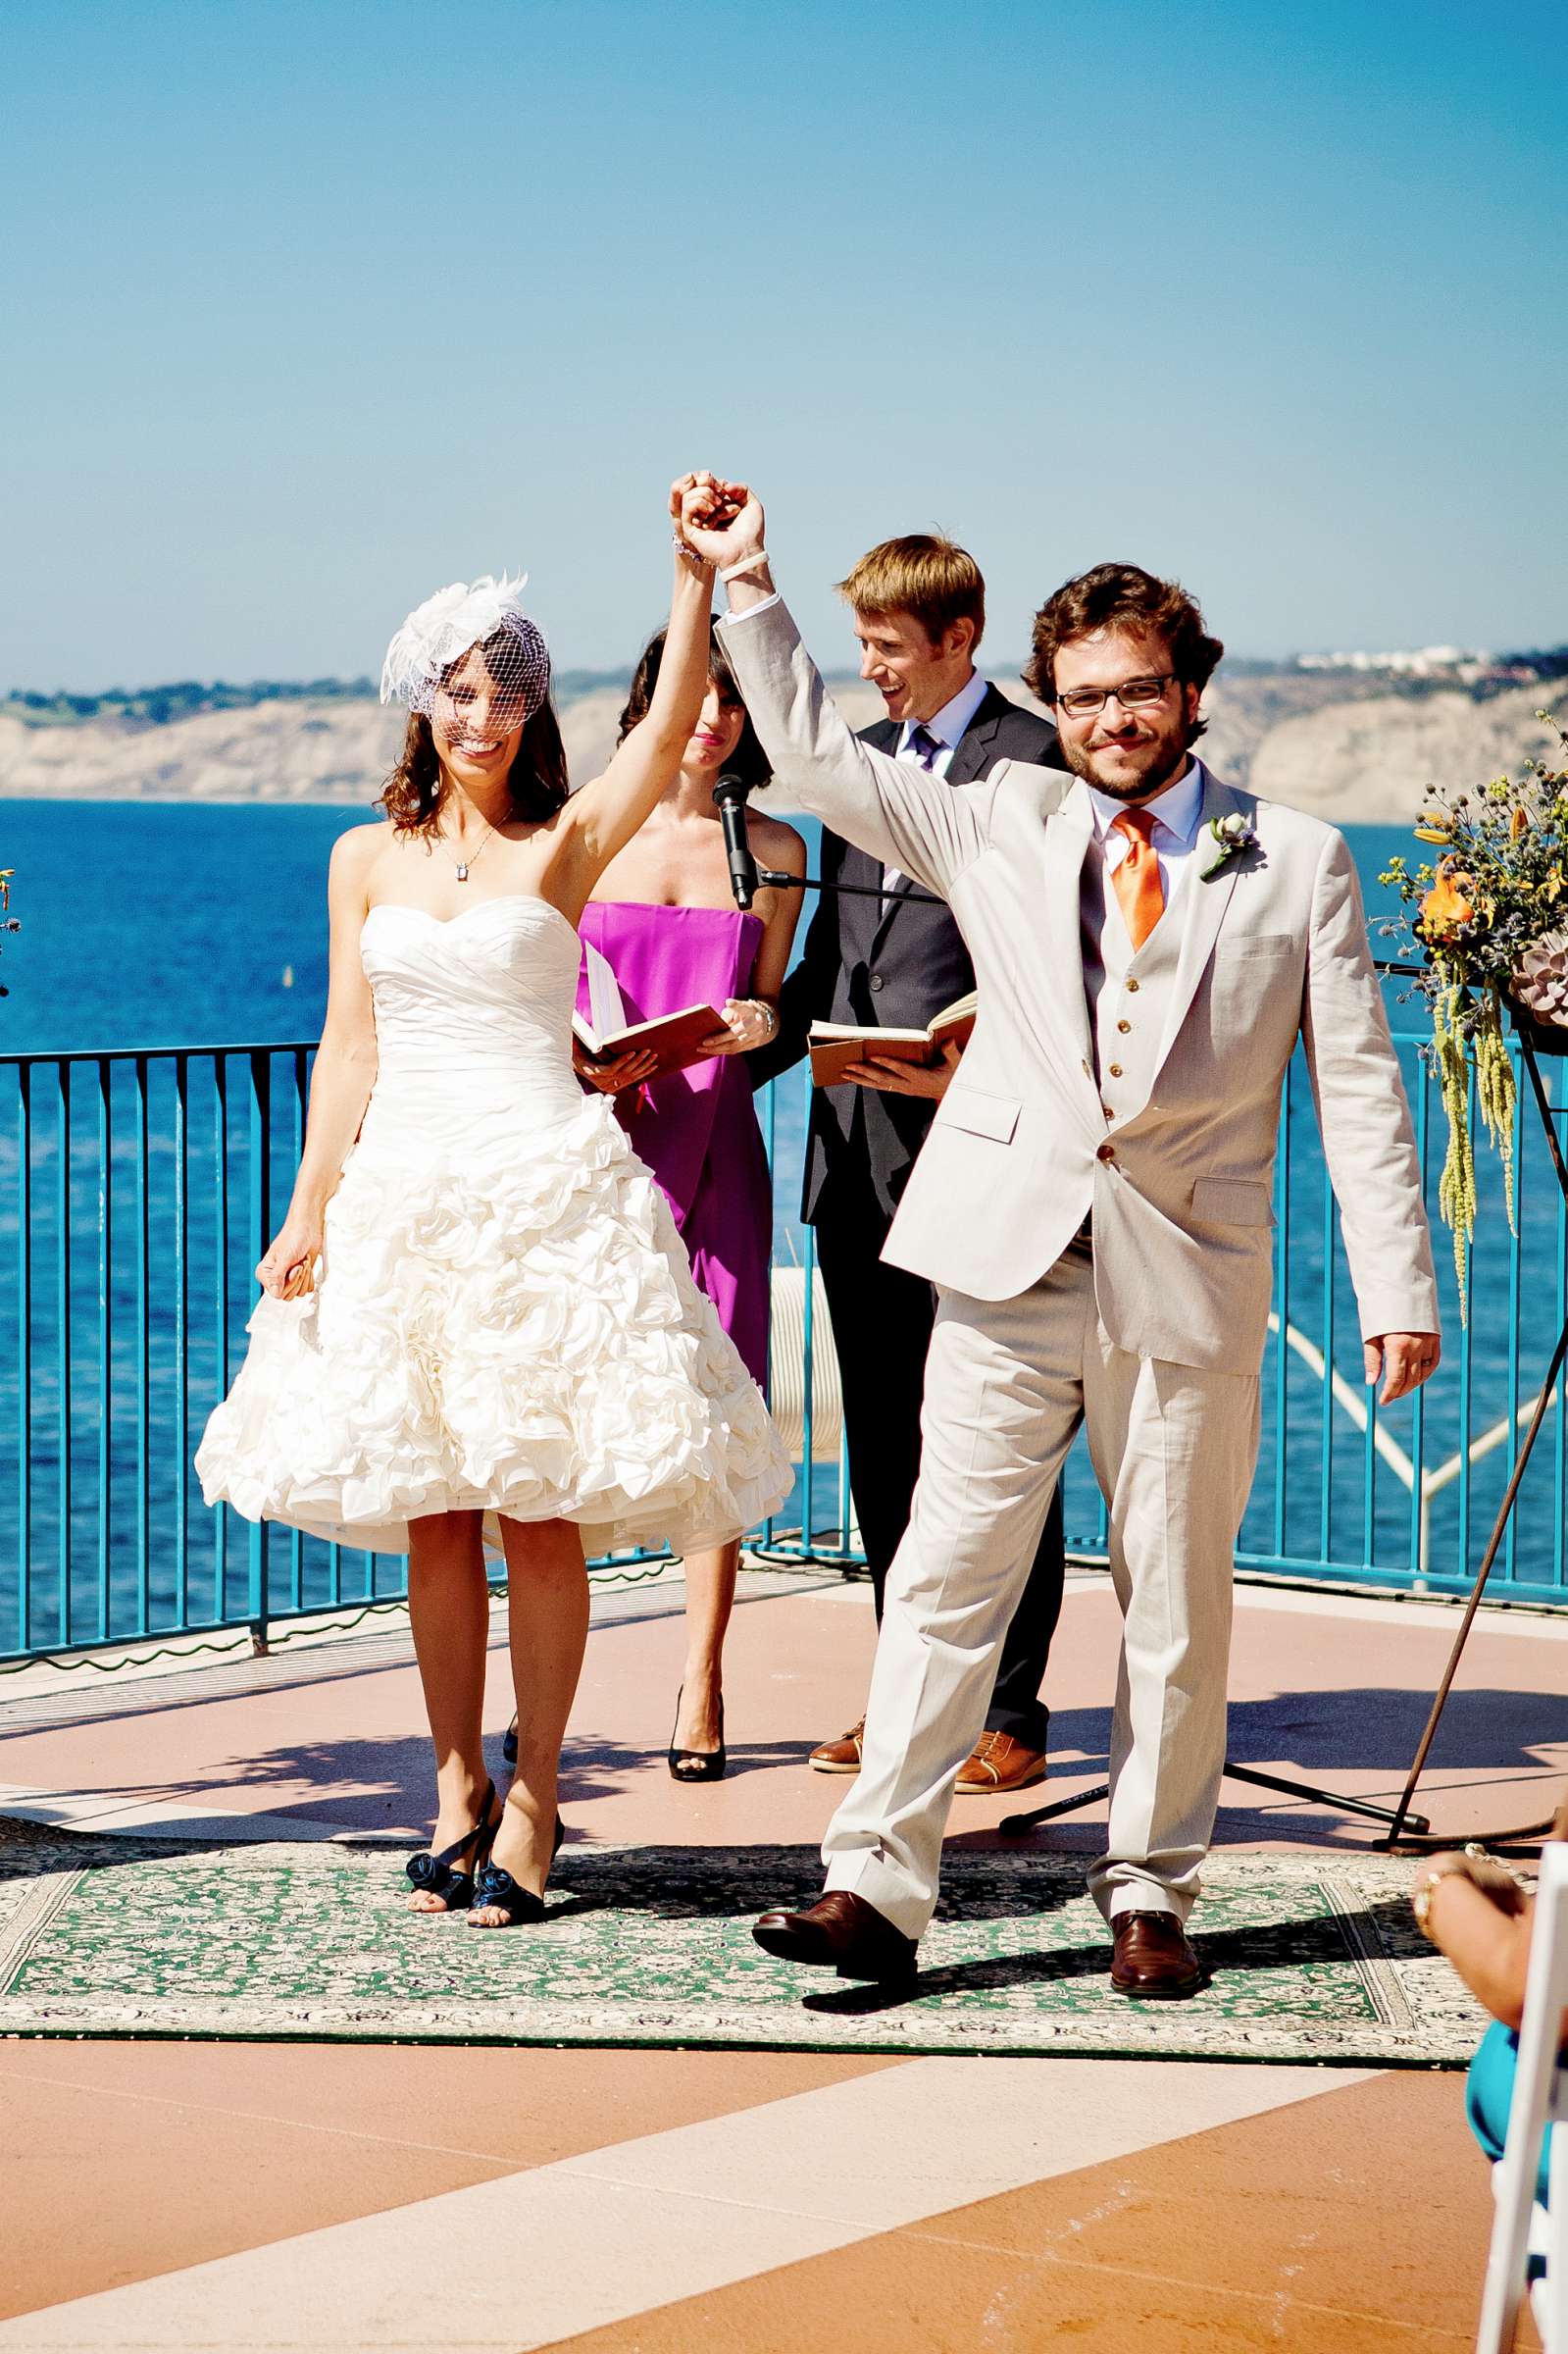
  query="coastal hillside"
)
[{"x": 1349, "y": 745}]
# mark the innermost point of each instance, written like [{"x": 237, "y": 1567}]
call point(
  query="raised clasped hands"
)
[{"x": 720, "y": 522}]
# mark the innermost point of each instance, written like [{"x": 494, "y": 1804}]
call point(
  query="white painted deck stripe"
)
[
  {"x": 106, "y": 1811},
  {"x": 548, "y": 2252}
]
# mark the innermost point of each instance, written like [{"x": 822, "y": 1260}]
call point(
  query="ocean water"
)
[
  {"x": 161, "y": 924},
  {"x": 152, "y": 926}
]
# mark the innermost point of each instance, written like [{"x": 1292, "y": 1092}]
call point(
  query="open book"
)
[
  {"x": 604, "y": 1033},
  {"x": 835, "y": 1046}
]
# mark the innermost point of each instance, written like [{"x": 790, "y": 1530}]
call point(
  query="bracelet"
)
[
  {"x": 733, "y": 572},
  {"x": 772, "y": 1012},
  {"x": 688, "y": 555}
]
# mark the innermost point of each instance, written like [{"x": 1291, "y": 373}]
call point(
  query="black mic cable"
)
[{"x": 730, "y": 798}]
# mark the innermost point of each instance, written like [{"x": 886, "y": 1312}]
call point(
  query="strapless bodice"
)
[
  {"x": 504, "y": 1320},
  {"x": 474, "y": 1014}
]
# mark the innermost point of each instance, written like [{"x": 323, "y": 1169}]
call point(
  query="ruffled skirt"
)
[{"x": 505, "y": 1321}]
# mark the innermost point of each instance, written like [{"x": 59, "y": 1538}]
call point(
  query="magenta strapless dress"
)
[{"x": 697, "y": 1130}]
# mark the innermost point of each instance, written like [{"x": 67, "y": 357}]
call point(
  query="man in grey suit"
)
[
  {"x": 1095, "y": 1206},
  {"x": 883, "y": 954}
]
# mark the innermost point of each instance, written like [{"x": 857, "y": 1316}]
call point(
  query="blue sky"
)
[{"x": 313, "y": 308}]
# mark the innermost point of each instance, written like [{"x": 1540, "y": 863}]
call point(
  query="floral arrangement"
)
[
  {"x": 1232, "y": 835},
  {"x": 1490, "y": 917}
]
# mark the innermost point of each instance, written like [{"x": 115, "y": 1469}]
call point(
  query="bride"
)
[{"x": 478, "y": 1314}]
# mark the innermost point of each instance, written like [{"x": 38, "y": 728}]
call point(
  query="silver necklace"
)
[{"x": 462, "y": 865}]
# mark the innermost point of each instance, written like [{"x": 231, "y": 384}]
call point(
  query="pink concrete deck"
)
[
  {"x": 1323, "y": 1689},
  {"x": 674, "y": 2201}
]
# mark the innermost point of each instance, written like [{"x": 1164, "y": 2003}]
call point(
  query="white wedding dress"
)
[{"x": 505, "y": 1317}]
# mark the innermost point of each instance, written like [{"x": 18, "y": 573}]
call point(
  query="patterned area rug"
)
[{"x": 1314, "y": 1958}]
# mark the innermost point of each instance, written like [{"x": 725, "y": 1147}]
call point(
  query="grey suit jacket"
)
[{"x": 1180, "y": 1174}]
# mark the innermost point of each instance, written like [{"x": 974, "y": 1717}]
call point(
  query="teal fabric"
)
[{"x": 1489, "y": 2093}]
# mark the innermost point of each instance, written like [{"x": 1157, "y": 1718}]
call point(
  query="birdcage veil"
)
[{"x": 428, "y": 664}]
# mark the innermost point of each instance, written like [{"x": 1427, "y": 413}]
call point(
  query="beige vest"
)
[{"x": 1128, "y": 995}]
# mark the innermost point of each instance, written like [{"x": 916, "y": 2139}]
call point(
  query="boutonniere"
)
[{"x": 1231, "y": 836}]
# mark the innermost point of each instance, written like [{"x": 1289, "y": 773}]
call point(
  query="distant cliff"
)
[{"x": 1352, "y": 745}]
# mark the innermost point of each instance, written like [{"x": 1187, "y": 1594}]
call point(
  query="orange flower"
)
[{"x": 1446, "y": 910}]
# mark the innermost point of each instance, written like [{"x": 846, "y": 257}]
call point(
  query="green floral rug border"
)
[{"x": 1315, "y": 1958}]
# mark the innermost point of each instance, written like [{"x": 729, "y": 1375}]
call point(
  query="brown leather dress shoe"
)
[
  {"x": 1000, "y": 1763},
  {"x": 841, "y": 1755},
  {"x": 841, "y": 1931},
  {"x": 1152, "y": 1959}
]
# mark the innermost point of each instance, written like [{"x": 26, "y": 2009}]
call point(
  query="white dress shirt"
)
[
  {"x": 1173, "y": 838},
  {"x": 948, "y": 726},
  {"x": 1174, "y": 834}
]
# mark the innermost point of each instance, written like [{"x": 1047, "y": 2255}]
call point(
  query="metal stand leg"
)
[
  {"x": 1013, "y": 1826},
  {"x": 1404, "y": 1819}
]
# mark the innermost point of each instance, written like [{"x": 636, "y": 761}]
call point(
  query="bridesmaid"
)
[{"x": 663, "y": 916}]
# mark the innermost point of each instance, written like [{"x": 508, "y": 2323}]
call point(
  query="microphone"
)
[{"x": 730, "y": 797}]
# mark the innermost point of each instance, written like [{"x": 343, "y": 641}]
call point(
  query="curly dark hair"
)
[
  {"x": 748, "y": 760},
  {"x": 1123, "y": 594},
  {"x": 415, "y": 792}
]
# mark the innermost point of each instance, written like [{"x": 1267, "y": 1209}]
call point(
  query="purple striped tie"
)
[{"x": 923, "y": 744}]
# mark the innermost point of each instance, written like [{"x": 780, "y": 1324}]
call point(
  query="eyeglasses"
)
[{"x": 1133, "y": 695}]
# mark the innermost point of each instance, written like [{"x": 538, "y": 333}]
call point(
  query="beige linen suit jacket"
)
[{"x": 1179, "y": 1171}]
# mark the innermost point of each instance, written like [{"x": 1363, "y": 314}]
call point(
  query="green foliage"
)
[
  {"x": 1499, "y": 886},
  {"x": 183, "y": 698},
  {"x": 154, "y": 706}
]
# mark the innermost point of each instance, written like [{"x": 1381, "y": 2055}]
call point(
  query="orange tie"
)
[{"x": 1139, "y": 890}]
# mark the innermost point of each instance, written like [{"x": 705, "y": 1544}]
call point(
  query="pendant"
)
[{"x": 462, "y": 873}]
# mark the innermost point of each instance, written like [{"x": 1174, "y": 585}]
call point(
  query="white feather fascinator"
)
[{"x": 433, "y": 642}]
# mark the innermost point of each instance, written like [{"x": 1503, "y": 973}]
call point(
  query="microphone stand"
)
[{"x": 747, "y": 878}]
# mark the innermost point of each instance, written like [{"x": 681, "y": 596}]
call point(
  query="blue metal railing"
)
[{"x": 135, "y": 1196}]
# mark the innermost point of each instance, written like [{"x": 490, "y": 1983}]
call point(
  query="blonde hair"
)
[{"x": 932, "y": 580}]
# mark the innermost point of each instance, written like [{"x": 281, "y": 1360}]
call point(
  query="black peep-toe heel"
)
[
  {"x": 509, "y": 1740},
  {"x": 435, "y": 1875},
  {"x": 696, "y": 1764},
  {"x": 495, "y": 1889}
]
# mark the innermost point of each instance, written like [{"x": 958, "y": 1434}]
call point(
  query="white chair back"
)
[{"x": 1539, "y": 2100}]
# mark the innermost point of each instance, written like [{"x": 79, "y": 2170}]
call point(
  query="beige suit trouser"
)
[{"x": 1174, "y": 1448}]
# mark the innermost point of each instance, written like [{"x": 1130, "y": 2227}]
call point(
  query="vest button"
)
[
  {"x": 875, "y": 980},
  {"x": 1124, "y": 1027},
  {"x": 1132, "y": 987},
  {"x": 1106, "y": 1153},
  {"x": 1115, "y": 1070}
]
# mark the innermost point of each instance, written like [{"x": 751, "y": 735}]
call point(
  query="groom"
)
[{"x": 1095, "y": 1206}]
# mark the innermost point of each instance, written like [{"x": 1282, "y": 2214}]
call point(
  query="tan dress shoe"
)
[
  {"x": 1000, "y": 1763},
  {"x": 841, "y": 1931},
  {"x": 841, "y": 1755},
  {"x": 1152, "y": 1959}
]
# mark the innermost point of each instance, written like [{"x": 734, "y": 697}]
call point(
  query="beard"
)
[{"x": 1162, "y": 759}]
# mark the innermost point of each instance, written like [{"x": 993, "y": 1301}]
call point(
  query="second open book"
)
[
  {"x": 604, "y": 1033},
  {"x": 835, "y": 1046}
]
